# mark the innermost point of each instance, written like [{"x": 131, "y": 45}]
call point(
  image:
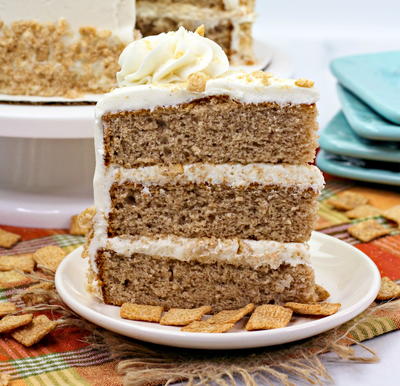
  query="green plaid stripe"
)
[{"x": 68, "y": 240}]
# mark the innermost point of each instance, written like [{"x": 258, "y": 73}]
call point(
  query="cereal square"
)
[
  {"x": 32, "y": 333},
  {"x": 23, "y": 262},
  {"x": 347, "y": 201},
  {"x": 230, "y": 316},
  {"x": 367, "y": 230},
  {"x": 389, "y": 289},
  {"x": 183, "y": 316},
  {"x": 363, "y": 211},
  {"x": 269, "y": 316},
  {"x": 393, "y": 214},
  {"x": 204, "y": 326},
  {"x": 9, "y": 279},
  {"x": 8, "y": 239},
  {"x": 39, "y": 294},
  {"x": 7, "y": 308},
  {"x": 319, "y": 309},
  {"x": 49, "y": 257},
  {"x": 321, "y": 292},
  {"x": 141, "y": 312},
  {"x": 11, "y": 322}
]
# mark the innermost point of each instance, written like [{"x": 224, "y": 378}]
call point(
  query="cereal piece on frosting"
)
[
  {"x": 197, "y": 82},
  {"x": 304, "y": 83},
  {"x": 200, "y": 30}
]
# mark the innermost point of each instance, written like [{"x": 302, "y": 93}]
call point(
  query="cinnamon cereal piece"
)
[
  {"x": 263, "y": 76},
  {"x": 389, "y": 289},
  {"x": 82, "y": 223},
  {"x": 347, "y": 201},
  {"x": 75, "y": 228},
  {"x": 367, "y": 230},
  {"x": 320, "y": 309},
  {"x": 231, "y": 316},
  {"x": 41, "y": 325},
  {"x": 4, "y": 379},
  {"x": 363, "y": 211},
  {"x": 197, "y": 82},
  {"x": 8, "y": 239},
  {"x": 141, "y": 312},
  {"x": 49, "y": 257},
  {"x": 7, "y": 308},
  {"x": 200, "y": 30},
  {"x": 31, "y": 299},
  {"x": 9, "y": 279},
  {"x": 322, "y": 293},
  {"x": 269, "y": 316},
  {"x": 183, "y": 316},
  {"x": 304, "y": 83},
  {"x": 204, "y": 326},
  {"x": 11, "y": 322},
  {"x": 393, "y": 214},
  {"x": 23, "y": 262}
]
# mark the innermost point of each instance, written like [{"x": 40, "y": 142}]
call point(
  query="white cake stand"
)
[{"x": 46, "y": 163}]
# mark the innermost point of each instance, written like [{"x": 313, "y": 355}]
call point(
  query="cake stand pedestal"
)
[{"x": 46, "y": 163}]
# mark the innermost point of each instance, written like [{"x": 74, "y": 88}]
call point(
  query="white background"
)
[{"x": 313, "y": 32}]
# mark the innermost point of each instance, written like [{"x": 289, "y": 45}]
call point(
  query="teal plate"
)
[
  {"x": 339, "y": 138},
  {"x": 364, "y": 121},
  {"x": 374, "y": 78},
  {"x": 358, "y": 169}
]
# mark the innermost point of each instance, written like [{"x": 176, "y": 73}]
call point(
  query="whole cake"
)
[
  {"x": 203, "y": 190},
  {"x": 70, "y": 48}
]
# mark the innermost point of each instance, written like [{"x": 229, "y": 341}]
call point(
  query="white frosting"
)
[
  {"x": 232, "y": 251},
  {"x": 116, "y": 16},
  {"x": 235, "y": 175},
  {"x": 170, "y": 58}
]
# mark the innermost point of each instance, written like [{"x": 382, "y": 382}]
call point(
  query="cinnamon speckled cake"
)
[{"x": 203, "y": 190}]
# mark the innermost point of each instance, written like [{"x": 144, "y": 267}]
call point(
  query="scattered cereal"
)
[
  {"x": 347, "y": 201},
  {"x": 197, "y": 82},
  {"x": 4, "y": 379},
  {"x": 39, "y": 295},
  {"x": 269, "y": 316},
  {"x": 231, "y": 316},
  {"x": 23, "y": 262},
  {"x": 321, "y": 309},
  {"x": 183, "y": 316},
  {"x": 141, "y": 312},
  {"x": 41, "y": 325},
  {"x": 367, "y": 230},
  {"x": 304, "y": 83},
  {"x": 389, "y": 289},
  {"x": 321, "y": 292},
  {"x": 7, "y": 308},
  {"x": 363, "y": 211},
  {"x": 11, "y": 322},
  {"x": 204, "y": 326},
  {"x": 8, "y": 239},
  {"x": 393, "y": 214},
  {"x": 49, "y": 257},
  {"x": 9, "y": 279}
]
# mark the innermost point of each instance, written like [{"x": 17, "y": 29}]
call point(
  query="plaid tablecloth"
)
[{"x": 64, "y": 357}]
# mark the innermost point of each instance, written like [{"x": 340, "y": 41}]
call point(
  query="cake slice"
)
[{"x": 203, "y": 190}]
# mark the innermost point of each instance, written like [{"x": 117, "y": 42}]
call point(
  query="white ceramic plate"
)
[
  {"x": 267, "y": 57},
  {"x": 349, "y": 275}
]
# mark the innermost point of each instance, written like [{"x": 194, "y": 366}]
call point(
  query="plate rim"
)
[{"x": 222, "y": 341}]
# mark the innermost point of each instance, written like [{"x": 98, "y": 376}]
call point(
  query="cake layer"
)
[
  {"x": 216, "y": 129},
  {"x": 228, "y": 23},
  {"x": 215, "y": 203},
  {"x": 62, "y": 47},
  {"x": 145, "y": 279}
]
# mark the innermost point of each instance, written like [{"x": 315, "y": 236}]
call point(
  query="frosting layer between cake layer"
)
[{"x": 205, "y": 250}]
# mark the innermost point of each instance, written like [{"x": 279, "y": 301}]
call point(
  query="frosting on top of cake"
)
[
  {"x": 170, "y": 58},
  {"x": 179, "y": 67},
  {"x": 210, "y": 250},
  {"x": 235, "y": 175}
]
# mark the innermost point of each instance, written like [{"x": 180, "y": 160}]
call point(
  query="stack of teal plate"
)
[{"x": 362, "y": 141}]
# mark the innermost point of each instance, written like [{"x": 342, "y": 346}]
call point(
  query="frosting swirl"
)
[{"x": 170, "y": 58}]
